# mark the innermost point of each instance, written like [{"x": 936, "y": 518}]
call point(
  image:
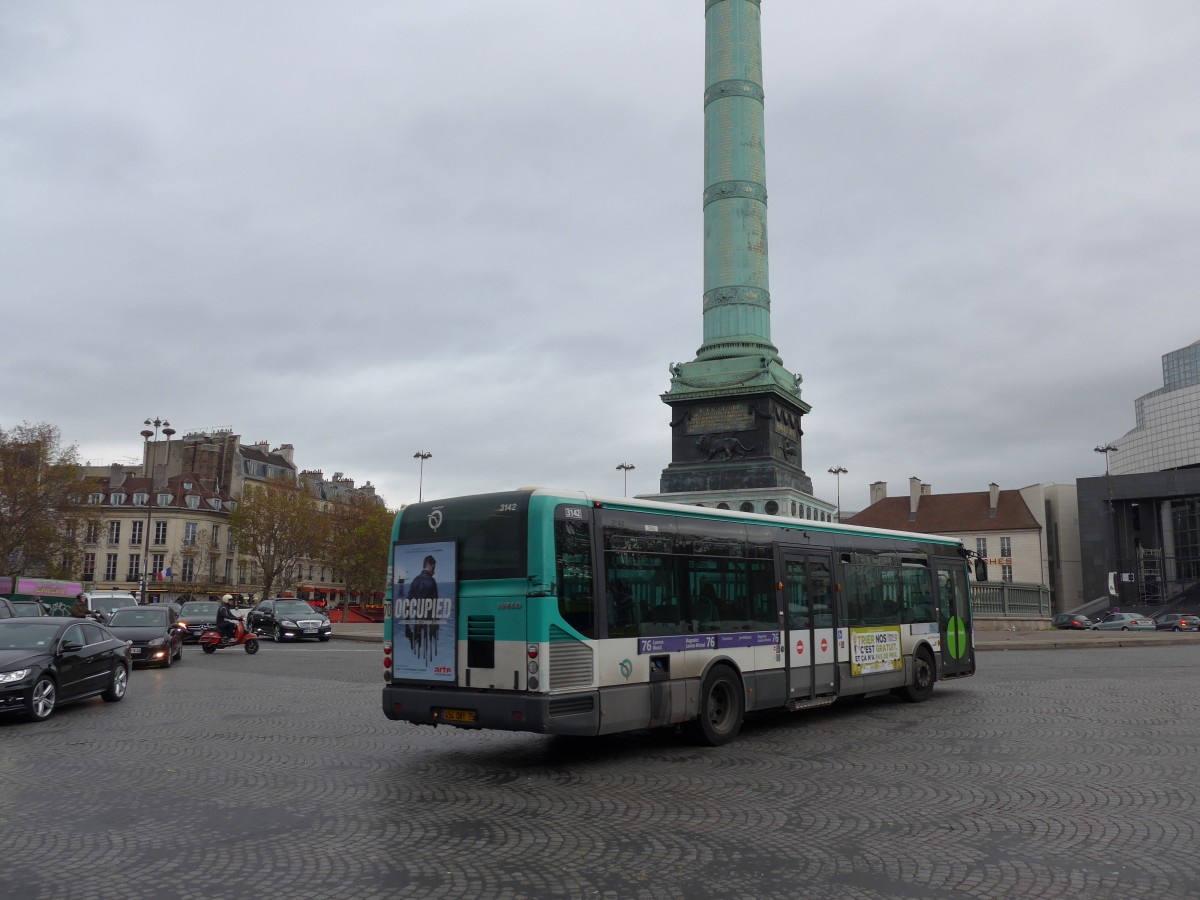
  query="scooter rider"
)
[{"x": 226, "y": 619}]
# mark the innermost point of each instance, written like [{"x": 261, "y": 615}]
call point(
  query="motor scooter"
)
[{"x": 212, "y": 640}]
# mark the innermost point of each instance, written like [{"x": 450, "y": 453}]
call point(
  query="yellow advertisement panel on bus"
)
[{"x": 875, "y": 650}]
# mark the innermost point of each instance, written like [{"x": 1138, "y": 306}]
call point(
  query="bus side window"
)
[{"x": 573, "y": 565}]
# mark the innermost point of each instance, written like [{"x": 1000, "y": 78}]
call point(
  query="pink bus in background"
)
[{"x": 56, "y": 596}]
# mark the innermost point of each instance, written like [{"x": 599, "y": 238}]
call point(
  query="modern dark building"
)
[{"x": 1139, "y": 523}]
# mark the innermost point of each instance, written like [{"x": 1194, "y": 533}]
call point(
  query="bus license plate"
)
[{"x": 469, "y": 716}]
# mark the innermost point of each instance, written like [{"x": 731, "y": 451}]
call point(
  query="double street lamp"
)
[
  {"x": 422, "y": 455},
  {"x": 148, "y": 467},
  {"x": 839, "y": 471},
  {"x": 626, "y": 468}
]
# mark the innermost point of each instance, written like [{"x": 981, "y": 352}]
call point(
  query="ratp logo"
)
[
  {"x": 626, "y": 669},
  {"x": 435, "y": 519}
]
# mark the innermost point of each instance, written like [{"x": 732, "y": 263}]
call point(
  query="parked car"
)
[
  {"x": 286, "y": 620},
  {"x": 6, "y": 609},
  {"x": 46, "y": 662},
  {"x": 1071, "y": 621},
  {"x": 29, "y": 608},
  {"x": 198, "y": 616},
  {"x": 1120, "y": 621},
  {"x": 1177, "y": 622},
  {"x": 153, "y": 632}
]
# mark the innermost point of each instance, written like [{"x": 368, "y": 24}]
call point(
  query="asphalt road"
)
[{"x": 1050, "y": 774}]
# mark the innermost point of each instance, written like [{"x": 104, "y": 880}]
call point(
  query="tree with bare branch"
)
[
  {"x": 42, "y": 494},
  {"x": 275, "y": 525},
  {"x": 360, "y": 532}
]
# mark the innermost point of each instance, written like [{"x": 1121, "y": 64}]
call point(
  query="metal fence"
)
[{"x": 1016, "y": 600}]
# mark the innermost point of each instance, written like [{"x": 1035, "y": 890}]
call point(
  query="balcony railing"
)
[{"x": 1015, "y": 600}]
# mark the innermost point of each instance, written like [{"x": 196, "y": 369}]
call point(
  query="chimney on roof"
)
[
  {"x": 287, "y": 451},
  {"x": 914, "y": 497},
  {"x": 116, "y": 475},
  {"x": 926, "y": 489},
  {"x": 993, "y": 499},
  {"x": 878, "y": 492}
]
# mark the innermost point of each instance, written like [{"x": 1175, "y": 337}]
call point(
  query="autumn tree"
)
[
  {"x": 42, "y": 492},
  {"x": 275, "y": 525},
  {"x": 360, "y": 534}
]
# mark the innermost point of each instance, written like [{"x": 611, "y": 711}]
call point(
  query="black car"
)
[
  {"x": 1072, "y": 621},
  {"x": 1177, "y": 622},
  {"x": 153, "y": 631},
  {"x": 287, "y": 620},
  {"x": 198, "y": 616},
  {"x": 48, "y": 661}
]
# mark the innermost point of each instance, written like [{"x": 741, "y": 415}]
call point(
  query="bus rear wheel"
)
[
  {"x": 923, "y": 677},
  {"x": 722, "y": 706}
]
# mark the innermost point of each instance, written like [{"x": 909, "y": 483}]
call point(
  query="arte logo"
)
[{"x": 435, "y": 519}]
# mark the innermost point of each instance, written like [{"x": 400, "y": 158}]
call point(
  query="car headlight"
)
[
  {"x": 157, "y": 642},
  {"x": 288, "y": 624},
  {"x": 10, "y": 677}
]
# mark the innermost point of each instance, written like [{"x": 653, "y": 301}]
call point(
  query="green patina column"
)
[{"x": 735, "y": 409}]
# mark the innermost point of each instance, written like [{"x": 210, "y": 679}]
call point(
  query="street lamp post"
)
[
  {"x": 839, "y": 471},
  {"x": 1110, "y": 544},
  {"x": 626, "y": 468},
  {"x": 148, "y": 468},
  {"x": 422, "y": 455}
]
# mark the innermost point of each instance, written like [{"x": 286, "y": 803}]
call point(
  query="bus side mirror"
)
[{"x": 980, "y": 569}]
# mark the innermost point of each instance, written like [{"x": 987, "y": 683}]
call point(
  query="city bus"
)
[{"x": 563, "y": 613}]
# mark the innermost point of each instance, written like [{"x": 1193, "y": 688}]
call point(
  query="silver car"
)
[{"x": 1120, "y": 621}]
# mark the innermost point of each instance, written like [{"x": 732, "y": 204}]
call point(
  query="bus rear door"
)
[{"x": 954, "y": 618}]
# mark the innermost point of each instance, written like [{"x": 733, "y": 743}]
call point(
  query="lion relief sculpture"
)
[{"x": 721, "y": 447}]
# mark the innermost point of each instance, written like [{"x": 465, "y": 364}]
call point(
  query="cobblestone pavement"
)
[{"x": 1050, "y": 774}]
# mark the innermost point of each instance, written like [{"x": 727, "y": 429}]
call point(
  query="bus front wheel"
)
[
  {"x": 923, "y": 676},
  {"x": 722, "y": 706}
]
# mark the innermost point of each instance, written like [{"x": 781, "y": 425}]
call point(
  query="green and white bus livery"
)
[{"x": 563, "y": 613}]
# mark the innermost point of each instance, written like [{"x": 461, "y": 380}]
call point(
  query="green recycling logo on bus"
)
[{"x": 956, "y": 637}]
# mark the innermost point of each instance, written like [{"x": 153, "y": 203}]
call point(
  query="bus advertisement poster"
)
[
  {"x": 875, "y": 650},
  {"x": 424, "y": 610}
]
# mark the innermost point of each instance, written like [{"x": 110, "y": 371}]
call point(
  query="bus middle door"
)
[{"x": 809, "y": 635}]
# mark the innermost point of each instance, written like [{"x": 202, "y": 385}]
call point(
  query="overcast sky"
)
[{"x": 475, "y": 228}]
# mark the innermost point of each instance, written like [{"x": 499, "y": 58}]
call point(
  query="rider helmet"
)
[{"x": 227, "y": 598}]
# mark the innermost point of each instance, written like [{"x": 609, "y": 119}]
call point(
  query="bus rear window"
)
[{"x": 490, "y": 530}]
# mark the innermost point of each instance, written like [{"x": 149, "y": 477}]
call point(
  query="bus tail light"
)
[{"x": 387, "y": 654}]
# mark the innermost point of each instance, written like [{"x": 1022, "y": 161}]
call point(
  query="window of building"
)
[
  {"x": 92, "y": 533},
  {"x": 216, "y": 537},
  {"x": 89, "y": 566},
  {"x": 1006, "y": 574},
  {"x": 141, "y": 498},
  {"x": 110, "y": 567},
  {"x": 134, "y": 572},
  {"x": 117, "y": 498},
  {"x": 160, "y": 533},
  {"x": 135, "y": 534},
  {"x": 193, "y": 501},
  {"x": 158, "y": 562},
  {"x": 189, "y": 534},
  {"x": 163, "y": 499},
  {"x": 187, "y": 485},
  {"x": 1006, "y": 546},
  {"x": 981, "y": 547},
  {"x": 746, "y": 506},
  {"x": 114, "y": 532},
  {"x": 228, "y": 571},
  {"x": 214, "y": 502},
  {"x": 772, "y": 508},
  {"x": 95, "y": 499},
  {"x": 187, "y": 570}
]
